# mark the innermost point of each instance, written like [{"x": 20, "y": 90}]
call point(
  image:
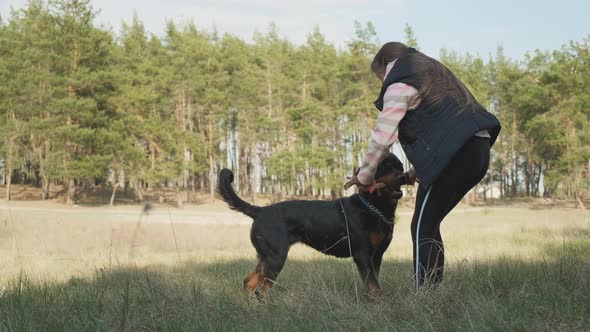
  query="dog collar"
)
[{"x": 375, "y": 210}]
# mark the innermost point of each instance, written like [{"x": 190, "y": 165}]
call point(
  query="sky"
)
[{"x": 473, "y": 26}]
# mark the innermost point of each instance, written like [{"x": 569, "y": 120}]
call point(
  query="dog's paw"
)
[{"x": 375, "y": 295}]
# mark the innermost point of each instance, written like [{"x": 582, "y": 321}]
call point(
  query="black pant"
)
[{"x": 463, "y": 172}]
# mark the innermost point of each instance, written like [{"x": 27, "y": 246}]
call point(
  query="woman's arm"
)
[{"x": 395, "y": 104}]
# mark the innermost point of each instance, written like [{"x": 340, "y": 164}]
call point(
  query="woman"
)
[{"x": 446, "y": 135}]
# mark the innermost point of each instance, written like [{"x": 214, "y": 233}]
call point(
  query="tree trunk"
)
[
  {"x": 137, "y": 189},
  {"x": 514, "y": 178},
  {"x": 269, "y": 92},
  {"x": 8, "y": 162},
  {"x": 501, "y": 183},
  {"x": 513, "y": 153},
  {"x": 45, "y": 183},
  {"x": 190, "y": 196},
  {"x": 292, "y": 179},
  {"x": 44, "y": 179},
  {"x": 152, "y": 149},
  {"x": 71, "y": 191},
  {"x": 580, "y": 203},
  {"x": 114, "y": 193},
  {"x": 185, "y": 162},
  {"x": 162, "y": 196},
  {"x": 202, "y": 183},
  {"x": 527, "y": 177},
  {"x": 304, "y": 88},
  {"x": 8, "y": 182},
  {"x": 538, "y": 179},
  {"x": 243, "y": 182},
  {"x": 211, "y": 170},
  {"x": 490, "y": 182},
  {"x": 179, "y": 201},
  {"x": 314, "y": 184},
  {"x": 254, "y": 183}
]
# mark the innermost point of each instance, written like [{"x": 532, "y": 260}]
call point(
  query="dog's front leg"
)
[
  {"x": 364, "y": 265},
  {"x": 377, "y": 259}
]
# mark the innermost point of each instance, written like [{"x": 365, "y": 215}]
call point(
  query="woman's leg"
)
[{"x": 464, "y": 171}]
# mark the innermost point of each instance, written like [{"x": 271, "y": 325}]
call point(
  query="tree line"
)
[{"x": 84, "y": 107}]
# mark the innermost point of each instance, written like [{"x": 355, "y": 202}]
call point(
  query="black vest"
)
[{"x": 432, "y": 134}]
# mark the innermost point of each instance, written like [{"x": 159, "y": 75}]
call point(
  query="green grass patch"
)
[{"x": 504, "y": 294}]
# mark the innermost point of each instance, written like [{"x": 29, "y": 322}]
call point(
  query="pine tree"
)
[
  {"x": 81, "y": 108},
  {"x": 80, "y": 104},
  {"x": 409, "y": 37}
]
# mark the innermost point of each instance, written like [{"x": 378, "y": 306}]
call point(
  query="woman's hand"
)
[
  {"x": 410, "y": 177},
  {"x": 355, "y": 181}
]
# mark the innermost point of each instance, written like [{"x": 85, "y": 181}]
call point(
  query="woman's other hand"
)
[{"x": 410, "y": 177}]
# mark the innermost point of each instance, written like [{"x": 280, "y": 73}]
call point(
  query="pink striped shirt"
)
[{"x": 395, "y": 104}]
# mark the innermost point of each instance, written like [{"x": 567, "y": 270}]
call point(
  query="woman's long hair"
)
[{"x": 439, "y": 82}]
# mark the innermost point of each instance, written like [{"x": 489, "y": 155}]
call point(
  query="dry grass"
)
[{"x": 101, "y": 269}]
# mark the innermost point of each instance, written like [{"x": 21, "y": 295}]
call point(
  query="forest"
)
[{"x": 83, "y": 107}]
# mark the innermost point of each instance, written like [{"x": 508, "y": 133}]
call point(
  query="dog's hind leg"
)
[
  {"x": 254, "y": 280},
  {"x": 272, "y": 245},
  {"x": 272, "y": 266}
]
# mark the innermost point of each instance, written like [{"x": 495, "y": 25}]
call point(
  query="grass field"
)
[{"x": 91, "y": 268}]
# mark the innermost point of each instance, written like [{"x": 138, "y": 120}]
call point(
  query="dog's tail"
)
[{"x": 225, "y": 189}]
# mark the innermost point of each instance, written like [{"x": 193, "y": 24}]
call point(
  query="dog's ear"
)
[
  {"x": 396, "y": 162},
  {"x": 391, "y": 162}
]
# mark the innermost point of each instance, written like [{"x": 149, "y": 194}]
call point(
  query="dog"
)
[{"x": 360, "y": 226}]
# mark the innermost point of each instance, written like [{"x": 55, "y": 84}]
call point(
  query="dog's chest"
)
[
  {"x": 379, "y": 239},
  {"x": 376, "y": 239}
]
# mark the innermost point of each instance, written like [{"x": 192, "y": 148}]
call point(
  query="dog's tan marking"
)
[
  {"x": 376, "y": 239},
  {"x": 251, "y": 282}
]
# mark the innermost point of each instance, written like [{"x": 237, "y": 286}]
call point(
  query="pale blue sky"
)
[{"x": 471, "y": 26}]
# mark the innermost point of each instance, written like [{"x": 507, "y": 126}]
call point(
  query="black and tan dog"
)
[{"x": 364, "y": 219}]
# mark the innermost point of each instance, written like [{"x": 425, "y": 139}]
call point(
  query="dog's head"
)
[
  {"x": 391, "y": 172},
  {"x": 390, "y": 165}
]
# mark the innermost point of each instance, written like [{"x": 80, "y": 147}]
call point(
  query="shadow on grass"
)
[{"x": 552, "y": 292}]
